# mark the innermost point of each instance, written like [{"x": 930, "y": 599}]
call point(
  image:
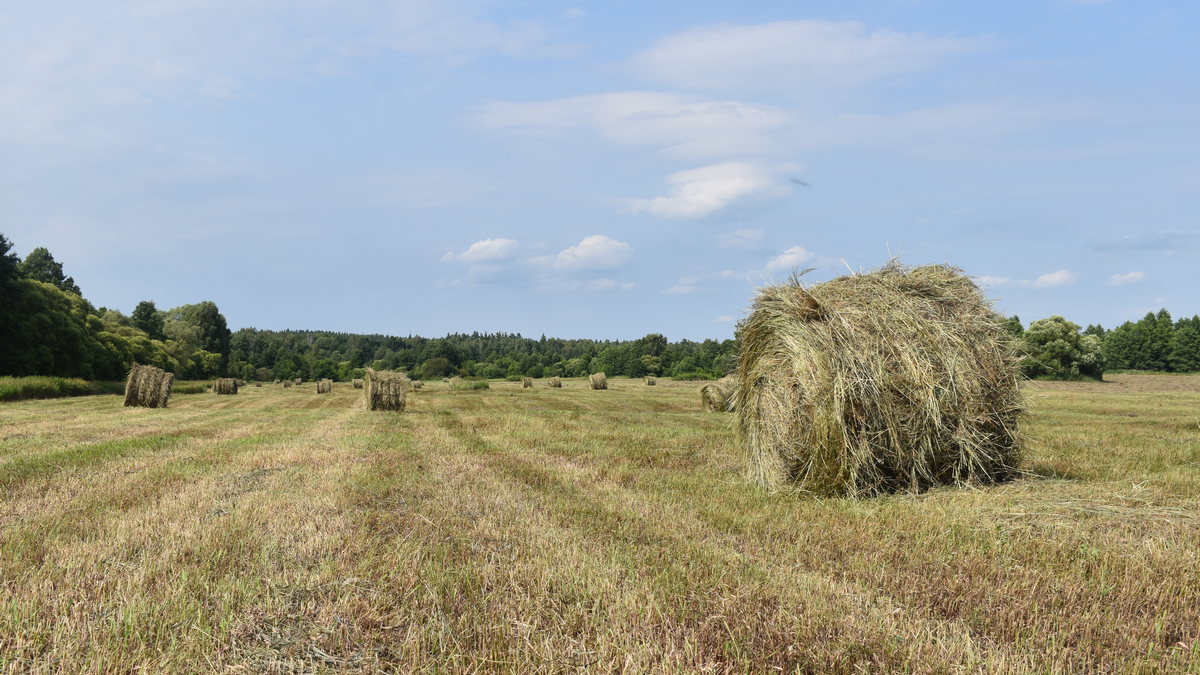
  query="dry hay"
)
[
  {"x": 527, "y": 383},
  {"x": 225, "y": 386},
  {"x": 275, "y": 382},
  {"x": 554, "y": 382},
  {"x": 299, "y": 380},
  {"x": 417, "y": 384},
  {"x": 287, "y": 384},
  {"x": 357, "y": 382},
  {"x": 324, "y": 386},
  {"x": 385, "y": 390},
  {"x": 455, "y": 381},
  {"x": 650, "y": 380},
  {"x": 598, "y": 381},
  {"x": 898, "y": 379},
  {"x": 148, "y": 387},
  {"x": 714, "y": 397},
  {"x": 257, "y": 383}
]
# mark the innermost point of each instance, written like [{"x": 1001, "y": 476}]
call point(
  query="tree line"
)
[{"x": 48, "y": 328}]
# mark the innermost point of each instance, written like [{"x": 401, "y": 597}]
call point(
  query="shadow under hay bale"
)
[
  {"x": 225, "y": 386},
  {"x": 148, "y": 387},
  {"x": 357, "y": 382},
  {"x": 894, "y": 380},
  {"x": 650, "y": 380},
  {"x": 324, "y": 386},
  {"x": 554, "y": 382},
  {"x": 527, "y": 383},
  {"x": 598, "y": 381},
  {"x": 385, "y": 390}
]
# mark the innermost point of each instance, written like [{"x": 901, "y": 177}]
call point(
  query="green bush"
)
[
  {"x": 1053, "y": 348},
  {"x": 189, "y": 388},
  {"x": 468, "y": 385},
  {"x": 39, "y": 386}
]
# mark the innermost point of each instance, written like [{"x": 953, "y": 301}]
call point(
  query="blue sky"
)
[{"x": 599, "y": 169}]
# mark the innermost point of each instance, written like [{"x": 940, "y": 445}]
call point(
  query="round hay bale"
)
[
  {"x": 650, "y": 380},
  {"x": 898, "y": 379},
  {"x": 357, "y": 382},
  {"x": 554, "y": 382},
  {"x": 385, "y": 390},
  {"x": 716, "y": 398},
  {"x": 148, "y": 387},
  {"x": 225, "y": 386},
  {"x": 324, "y": 386},
  {"x": 598, "y": 381},
  {"x": 526, "y": 382},
  {"x": 417, "y": 384},
  {"x": 287, "y": 384}
]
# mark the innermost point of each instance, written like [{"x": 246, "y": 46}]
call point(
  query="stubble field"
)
[{"x": 551, "y": 530}]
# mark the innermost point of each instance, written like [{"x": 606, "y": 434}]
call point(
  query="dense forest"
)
[{"x": 48, "y": 328}]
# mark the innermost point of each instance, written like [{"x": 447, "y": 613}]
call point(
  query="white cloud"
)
[
  {"x": 596, "y": 252},
  {"x": 724, "y": 318},
  {"x": 1055, "y": 279},
  {"x": 793, "y": 257},
  {"x": 806, "y": 57},
  {"x": 1126, "y": 278},
  {"x": 485, "y": 250},
  {"x": 702, "y": 192},
  {"x": 745, "y": 238},
  {"x": 678, "y": 125},
  {"x": 995, "y": 281}
]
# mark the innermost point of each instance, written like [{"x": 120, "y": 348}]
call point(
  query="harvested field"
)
[{"x": 556, "y": 530}]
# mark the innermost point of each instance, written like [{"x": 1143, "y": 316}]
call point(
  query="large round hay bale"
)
[
  {"x": 324, "y": 386},
  {"x": 650, "y": 380},
  {"x": 526, "y": 382},
  {"x": 287, "y": 384},
  {"x": 385, "y": 390},
  {"x": 148, "y": 387},
  {"x": 715, "y": 397},
  {"x": 554, "y": 382},
  {"x": 598, "y": 381},
  {"x": 225, "y": 386},
  {"x": 416, "y": 384},
  {"x": 898, "y": 379}
]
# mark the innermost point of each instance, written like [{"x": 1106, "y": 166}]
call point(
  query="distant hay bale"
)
[
  {"x": 598, "y": 381},
  {"x": 456, "y": 380},
  {"x": 554, "y": 382},
  {"x": 240, "y": 383},
  {"x": 357, "y": 382},
  {"x": 287, "y": 384},
  {"x": 225, "y": 386},
  {"x": 898, "y": 379},
  {"x": 148, "y": 387},
  {"x": 257, "y": 383},
  {"x": 650, "y": 380},
  {"x": 526, "y": 382},
  {"x": 385, "y": 390},
  {"x": 716, "y": 398},
  {"x": 275, "y": 382},
  {"x": 324, "y": 386},
  {"x": 299, "y": 380},
  {"x": 417, "y": 384}
]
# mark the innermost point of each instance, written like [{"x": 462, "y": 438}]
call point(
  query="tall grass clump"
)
[
  {"x": 898, "y": 379},
  {"x": 385, "y": 390},
  {"x": 598, "y": 381},
  {"x": 148, "y": 387},
  {"x": 225, "y": 386},
  {"x": 39, "y": 386}
]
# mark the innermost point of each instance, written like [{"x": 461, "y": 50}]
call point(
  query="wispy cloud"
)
[
  {"x": 596, "y": 252},
  {"x": 485, "y": 250},
  {"x": 1126, "y": 278},
  {"x": 708, "y": 190},
  {"x": 791, "y": 258},
  {"x": 809, "y": 57},
  {"x": 1055, "y": 279}
]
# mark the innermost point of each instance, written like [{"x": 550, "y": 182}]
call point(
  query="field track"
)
[{"x": 550, "y": 530}]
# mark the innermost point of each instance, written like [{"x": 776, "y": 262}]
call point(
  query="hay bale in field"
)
[
  {"x": 324, "y": 386},
  {"x": 898, "y": 379},
  {"x": 299, "y": 380},
  {"x": 527, "y": 383},
  {"x": 598, "y": 381},
  {"x": 650, "y": 380},
  {"x": 454, "y": 381},
  {"x": 714, "y": 397},
  {"x": 287, "y": 384},
  {"x": 357, "y": 382},
  {"x": 257, "y": 383},
  {"x": 275, "y": 382},
  {"x": 554, "y": 382},
  {"x": 417, "y": 384},
  {"x": 225, "y": 386},
  {"x": 385, "y": 390},
  {"x": 148, "y": 387}
]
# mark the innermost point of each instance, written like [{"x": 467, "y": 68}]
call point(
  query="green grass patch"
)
[{"x": 39, "y": 386}]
